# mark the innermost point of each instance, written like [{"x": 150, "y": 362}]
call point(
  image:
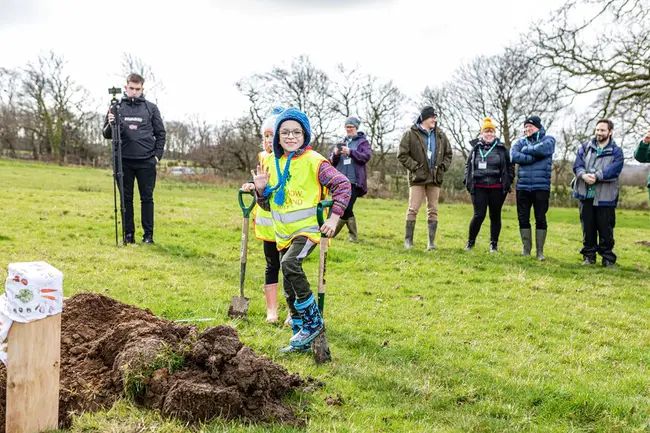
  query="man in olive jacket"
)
[{"x": 426, "y": 153}]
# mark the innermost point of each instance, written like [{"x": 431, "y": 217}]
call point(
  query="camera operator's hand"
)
[
  {"x": 111, "y": 116},
  {"x": 260, "y": 179},
  {"x": 646, "y": 139},
  {"x": 345, "y": 150}
]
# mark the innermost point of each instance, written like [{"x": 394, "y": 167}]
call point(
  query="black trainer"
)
[
  {"x": 129, "y": 238},
  {"x": 147, "y": 239},
  {"x": 589, "y": 260},
  {"x": 609, "y": 264}
]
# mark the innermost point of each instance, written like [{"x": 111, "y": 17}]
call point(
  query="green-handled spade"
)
[
  {"x": 320, "y": 347},
  {"x": 239, "y": 304}
]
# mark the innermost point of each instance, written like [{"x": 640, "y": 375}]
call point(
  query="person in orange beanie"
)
[{"x": 488, "y": 177}]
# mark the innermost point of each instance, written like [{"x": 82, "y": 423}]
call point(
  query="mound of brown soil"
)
[{"x": 110, "y": 349}]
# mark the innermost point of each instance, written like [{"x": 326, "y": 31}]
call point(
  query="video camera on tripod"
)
[{"x": 118, "y": 173}]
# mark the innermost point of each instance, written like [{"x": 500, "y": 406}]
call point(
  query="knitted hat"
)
[
  {"x": 269, "y": 123},
  {"x": 290, "y": 114},
  {"x": 535, "y": 121},
  {"x": 353, "y": 121},
  {"x": 283, "y": 176},
  {"x": 426, "y": 113},
  {"x": 487, "y": 124}
]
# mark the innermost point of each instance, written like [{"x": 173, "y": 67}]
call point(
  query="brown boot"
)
[
  {"x": 352, "y": 226},
  {"x": 271, "y": 294}
]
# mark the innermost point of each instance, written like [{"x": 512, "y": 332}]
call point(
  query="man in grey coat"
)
[{"x": 598, "y": 165}]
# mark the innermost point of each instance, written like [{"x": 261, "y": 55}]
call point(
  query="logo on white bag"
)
[{"x": 25, "y": 296}]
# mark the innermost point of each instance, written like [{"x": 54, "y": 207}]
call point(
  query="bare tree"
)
[
  {"x": 382, "y": 110},
  {"x": 134, "y": 64},
  {"x": 253, "y": 88},
  {"x": 575, "y": 131},
  {"x": 54, "y": 107},
  {"x": 507, "y": 87},
  {"x": 302, "y": 86},
  {"x": 601, "y": 47},
  {"x": 9, "y": 114},
  {"x": 347, "y": 91},
  {"x": 179, "y": 138},
  {"x": 237, "y": 146}
]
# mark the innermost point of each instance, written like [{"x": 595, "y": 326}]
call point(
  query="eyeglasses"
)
[{"x": 297, "y": 133}]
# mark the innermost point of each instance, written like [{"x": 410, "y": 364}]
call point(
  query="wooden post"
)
[{"x": 33, "y": 365}]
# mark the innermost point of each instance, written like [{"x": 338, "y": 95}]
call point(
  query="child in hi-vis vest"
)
[
  {"x": 290, "y": 185},
  {"x": 263, "y": 225}
]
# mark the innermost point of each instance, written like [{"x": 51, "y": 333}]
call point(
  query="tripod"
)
[{"x": 118, "y": 174}]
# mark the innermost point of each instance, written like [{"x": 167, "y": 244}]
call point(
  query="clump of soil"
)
[
  {"x": 644, "y": 243},
  {"x": 110, "y": 350}
]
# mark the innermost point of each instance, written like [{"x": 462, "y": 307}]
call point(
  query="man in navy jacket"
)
[
  {"x": 534, "y": 154},
  {"x": 143, "y": 144}
]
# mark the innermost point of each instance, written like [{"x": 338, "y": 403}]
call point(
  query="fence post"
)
[{"x": 33, "y": 368}]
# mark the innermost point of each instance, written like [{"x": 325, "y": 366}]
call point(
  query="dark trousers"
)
[
  {"x": 294, "y": 281},
  {"x": 349, "y": 211},
  {"x": 272, "y": 256},
  {"x": 144, "y": 170},
  {"x": 482, "y": 199},
  {"x": 538, "y": 199},
  {"x": 597, "y": 222}
]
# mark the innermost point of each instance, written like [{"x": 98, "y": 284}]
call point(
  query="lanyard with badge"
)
[
  {"x": 429, "y": 153},
  {"x": 482, "y": 164}
]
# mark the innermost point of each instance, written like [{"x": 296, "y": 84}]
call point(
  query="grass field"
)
[{"x": 443, "y": 341}]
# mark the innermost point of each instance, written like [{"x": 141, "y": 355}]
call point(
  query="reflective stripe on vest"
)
[
  {"x": 297, "y": 217},
  {"x": 312, "y": 229},
  {"x": 263, "y": 223},
  {"x": 293, "y": 217}
]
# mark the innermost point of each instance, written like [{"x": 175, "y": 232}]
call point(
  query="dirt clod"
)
[{"x": 110, "y": 350}]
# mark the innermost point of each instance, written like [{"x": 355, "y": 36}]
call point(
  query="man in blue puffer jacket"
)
[{"x": 534, "y": 154}]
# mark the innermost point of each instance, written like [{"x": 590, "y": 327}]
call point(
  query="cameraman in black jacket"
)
[{"x": 143, "y": 145}]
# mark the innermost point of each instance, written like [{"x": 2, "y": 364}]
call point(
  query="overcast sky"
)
[{"x": 200, "y": 48}]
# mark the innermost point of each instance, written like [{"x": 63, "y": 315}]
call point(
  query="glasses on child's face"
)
[{"x": 297, "y": 133}]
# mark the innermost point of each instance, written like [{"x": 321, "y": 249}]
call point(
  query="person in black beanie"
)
[
  {"x": 143, "y": 145},
  {"x": 534, "y": 154},
  {"x": 426, "y": 153}
]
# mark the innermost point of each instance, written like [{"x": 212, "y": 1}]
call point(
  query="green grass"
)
[{"x": 443, "y": 341}]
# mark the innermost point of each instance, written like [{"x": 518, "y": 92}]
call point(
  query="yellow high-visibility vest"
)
[
  {"x": 262, "y": 221},
  {"x": 303, "y": 192}
]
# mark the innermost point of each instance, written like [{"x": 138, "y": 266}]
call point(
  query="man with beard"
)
[{"x": 597, "y": 167}]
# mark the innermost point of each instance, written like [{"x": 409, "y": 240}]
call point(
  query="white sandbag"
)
[{"x": 34, "y": 291}]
